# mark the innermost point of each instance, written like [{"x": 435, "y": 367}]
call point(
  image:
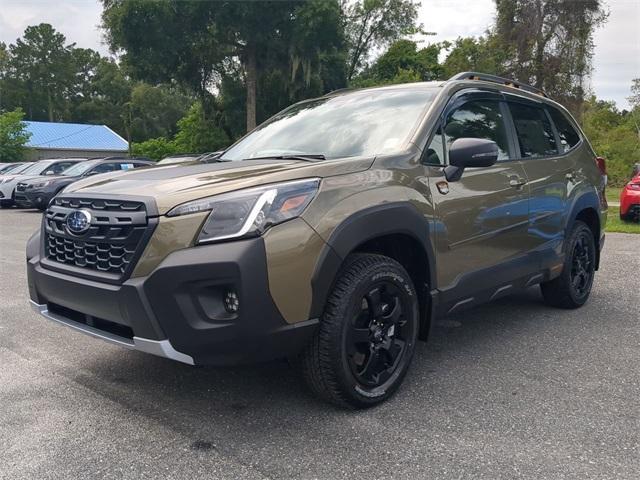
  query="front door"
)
[{"x": 481, "y": 219}]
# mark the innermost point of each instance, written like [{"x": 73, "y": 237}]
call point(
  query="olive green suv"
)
[{"x": 333, "y": 234}]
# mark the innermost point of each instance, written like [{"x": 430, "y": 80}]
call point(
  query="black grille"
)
[{"x": 117, "y": 234}]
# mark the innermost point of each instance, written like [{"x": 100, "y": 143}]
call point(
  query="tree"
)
[
  {"x": 403, "y": 62},
  {"x": 156, "y": 110},
  {"x": 245, "y": 37},
  {"x": 614, "y": 136},
  {"x": 375, "y": 24},
  {"x": 13, "y": 136},
  {"x": 634, "y": 101},
  {"x": 43, "y": 63},
  {"x": 550, "y": 44},
  {"x": 482, "y": 54}
]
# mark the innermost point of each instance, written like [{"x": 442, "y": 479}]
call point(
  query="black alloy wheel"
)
[
  {"x": 377, "y": 338},
  {"x": 573, "y": 287},
  {"x": 367, "y": 334}
]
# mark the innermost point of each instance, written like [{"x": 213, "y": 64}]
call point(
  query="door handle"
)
[{"x": 517, "y": 182}]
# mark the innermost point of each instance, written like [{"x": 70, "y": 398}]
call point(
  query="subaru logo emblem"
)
[{"x": 78, "y": 221}]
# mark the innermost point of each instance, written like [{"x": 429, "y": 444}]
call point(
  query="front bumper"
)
[
  {"x": 178, "y": 310},
  {"x": 162, "y": 348},
  {"x": 36, "y": 198}
]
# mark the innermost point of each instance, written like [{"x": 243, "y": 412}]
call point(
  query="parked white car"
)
[{"x": 8, "y": 183}]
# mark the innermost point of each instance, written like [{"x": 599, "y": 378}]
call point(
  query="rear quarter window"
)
[{"x": 569, "y": 138}]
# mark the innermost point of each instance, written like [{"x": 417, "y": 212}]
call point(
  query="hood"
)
[
  {"x": 19, "y": 178},
  {"x": 174, "y": 184},
  {"x": 47, "y": 178}
]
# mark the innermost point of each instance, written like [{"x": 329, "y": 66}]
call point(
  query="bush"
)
[
  {"x": 196, "y": 134},
  {"x": 155, "y": 148},
  {"x": 13, "y": 136}
]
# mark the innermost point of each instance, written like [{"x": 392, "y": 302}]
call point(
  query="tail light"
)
[{"x": 602, "y": 165}]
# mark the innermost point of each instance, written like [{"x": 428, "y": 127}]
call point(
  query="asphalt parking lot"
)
[{"x": 513, "y": 389}]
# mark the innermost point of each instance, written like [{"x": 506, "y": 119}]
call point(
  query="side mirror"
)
[
  {"x": 49, "y": 172},
  {"x": 470, "y": 153}
]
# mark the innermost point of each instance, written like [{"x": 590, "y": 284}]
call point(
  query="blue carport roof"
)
[{"x": 74, "y": 136}]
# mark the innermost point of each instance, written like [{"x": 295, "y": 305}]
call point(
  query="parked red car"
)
[{"x": 630, "y": 200}]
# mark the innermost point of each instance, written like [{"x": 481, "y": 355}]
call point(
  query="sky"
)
[{"x": 616, "y": 60}]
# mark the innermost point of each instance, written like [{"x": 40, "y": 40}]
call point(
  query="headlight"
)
[
  {"x": 41, "y": 184},
  {"x": 250, "y": 212}
]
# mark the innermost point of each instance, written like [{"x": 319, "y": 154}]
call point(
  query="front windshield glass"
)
[
  {"x": 36, "y": 169},
  {"x": 78, "y": 169},
  {"x": 363, "y": 123},
  {"x": 20, "y": 169}
]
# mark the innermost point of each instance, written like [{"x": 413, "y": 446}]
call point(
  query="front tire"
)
[
  {"x": 573, "y": 287},
  {"x": 367, "y": 334}
]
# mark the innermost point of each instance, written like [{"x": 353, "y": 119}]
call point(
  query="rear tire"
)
[
  {"x": 573, "y": 287},
  {"x": 367, "y": 334}
]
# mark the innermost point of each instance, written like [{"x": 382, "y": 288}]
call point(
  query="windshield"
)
[
  {"x": 37, "y": 168},
  {"x": 7, "y": 168},
  {"x": 20, "y": 169},
  {"x": 364, "y": 123},
  {"x": 78, "y": 169}
]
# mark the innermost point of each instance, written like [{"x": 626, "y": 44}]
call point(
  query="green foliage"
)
[
  {"x": 613, "y": 135},
  {"x": 243, "y": 40},
  {"x": 403, "y": 62},
  {"x": 614, "y": 224},
  {"x": 549, "y": 44},
  {"x": 155, "y": 148},
  {"x": 41, "y": 69},
  {"x": 470, "y": 54},
  {"x": 53, "y": 81},
  {"x": 196, "y": 134},
  {"x": 155, "y": 110},
  {"x": 375, "y": 24},
  {"x": 13, "y": 136}
]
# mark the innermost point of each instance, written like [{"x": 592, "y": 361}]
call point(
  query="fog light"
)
[{"x": 231, "y": 302}]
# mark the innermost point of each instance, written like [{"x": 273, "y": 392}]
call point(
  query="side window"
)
[
  {"x": 569, "y": 138},
  {"x": 435, "y": 151},
  {"x": 126, "y": 166},
  {"x": 535, "y": 134},
  {"x": 59, "y": 167},
  {"x": 104, "y": 168},
  {"x": 138, "y": 165},
  {"x": 478, "y": 119}
]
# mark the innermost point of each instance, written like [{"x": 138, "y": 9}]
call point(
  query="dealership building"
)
[{"x": 66, "y": 140}]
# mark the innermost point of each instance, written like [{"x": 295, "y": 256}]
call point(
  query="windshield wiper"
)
[{"x": 312, "y": 157}]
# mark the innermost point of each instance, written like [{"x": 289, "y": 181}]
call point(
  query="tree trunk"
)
[
  {"x": 50, "y": 105},
  {"x": 251, "y": 79}
]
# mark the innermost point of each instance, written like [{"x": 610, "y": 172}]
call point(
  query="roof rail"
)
[
  {"x": 500, "y": 80},
  {"x": 339, "y": 90}
]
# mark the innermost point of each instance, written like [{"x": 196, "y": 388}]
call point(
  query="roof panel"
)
[{"x": 74, "y": 136}]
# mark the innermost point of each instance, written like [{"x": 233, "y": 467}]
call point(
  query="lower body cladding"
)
[{"x": 207, "y": 305}]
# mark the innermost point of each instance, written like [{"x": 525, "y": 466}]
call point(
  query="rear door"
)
[
  {"x": 483, "y": 217},
  {"x": 549, "y": 170}
]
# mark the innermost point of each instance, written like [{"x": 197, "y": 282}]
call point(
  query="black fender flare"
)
[
  {"x": 586, "y": 200},
  {"x": 368, "y": 224}
]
